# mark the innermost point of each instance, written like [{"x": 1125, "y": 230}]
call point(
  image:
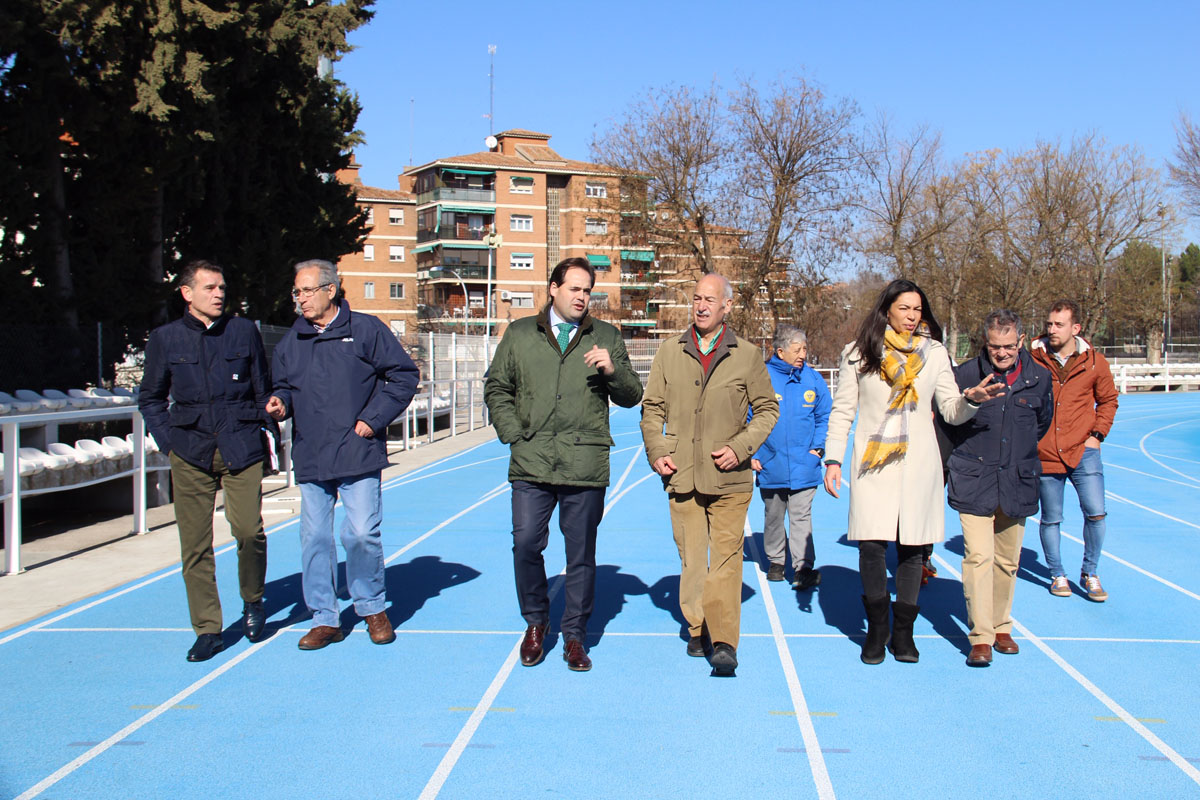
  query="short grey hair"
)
[
  {"x": 726, "y": 286},
  {"x": 786, "y": 334},
  {"x": 1001, "y": 320},
  {"x": 326, "y": 273}
]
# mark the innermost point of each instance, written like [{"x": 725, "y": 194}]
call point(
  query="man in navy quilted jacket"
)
[
  {"x": 203, "y": 389},
  {"x": 342, "y": 377}
]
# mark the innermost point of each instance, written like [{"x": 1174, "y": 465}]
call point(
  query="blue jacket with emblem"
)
[
  {"x": 205, "y": 388},
  {"x": 995, "y": 463},
  {"x": 804, "y": 406},
  {"x": 353, "y": 370}
]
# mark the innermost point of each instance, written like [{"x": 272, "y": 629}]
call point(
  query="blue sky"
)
[{"x": 986, "y": 74}]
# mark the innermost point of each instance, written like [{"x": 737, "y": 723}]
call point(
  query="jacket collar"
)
[
  {"x": 191, "y": 322},
  {"x": 338, "y": 327},
  {"x": 1081, "y": 345},
  {"x": 543, "y": 323},
  {"x": 779, "y": 366}
]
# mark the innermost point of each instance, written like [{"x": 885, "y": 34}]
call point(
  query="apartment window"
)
[
  {"x": 370, "y": 215},
  {"x": 368, "y": 252},
  {"x": 522, "y": 299},
  {"x": 520, "y": 261},
  {"x": 596, "y": 189},
  {"x": 596, "y": 226},
  {"x": 395, "y": 252},
  {"x": 396, "y": 291},
  {"x": 520, "y": 185},
  {"x": 369, "y": 290},
  {"x": 520, "y": 222},
  {"x": 398, "y": 327},
  {"x": 395, "y": 216},
  {"x": 598, "y": 300}
]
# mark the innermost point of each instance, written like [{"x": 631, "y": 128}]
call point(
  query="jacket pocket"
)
[
  {"x": 589, "y": 456},
  {"x": 1028, "y": 472},
  {"x": 187, "y": 380},
  {"x": 237, "y": 365},
  {"x": 965, "y": 480},
  {"x": 184, "y": 416}
]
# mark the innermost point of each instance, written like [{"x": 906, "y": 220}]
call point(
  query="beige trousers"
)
[
  {"x": 992, "y": 552},
  {"x": 708, "y": 532}
]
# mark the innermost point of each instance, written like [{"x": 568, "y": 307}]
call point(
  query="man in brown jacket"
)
[
  {"x": 694, "y": 425},
  {"x": 1085, "y": 404}
]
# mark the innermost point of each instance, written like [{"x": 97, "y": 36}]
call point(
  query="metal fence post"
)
[
  {"x": 139, "y": 474},
  {"x": 12, "y": 505}
]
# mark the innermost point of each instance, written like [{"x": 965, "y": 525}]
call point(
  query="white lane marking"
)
[
  {"x": 1146, "y": 453},
  {"x": 1116, "y": 496},
  {"x": 126, "y": 590},
  {"x": 1155, "y": 477},
  {"x": 1136, "y": 568},
  {"x": 404, "y": 480},
  {"x": 816, "y": 759},
  {"x": 446, "y": 766},
  {"x": 1094, "y": 690},
  {"x": 442, "y": 460},
  {"x": 626, "y": 491},
  {"x": 1158, "y": 455},
  {"x": 140, "y": 722},
  {"x": 616, "y": 489},
  {"x": 486, "y": 498}
]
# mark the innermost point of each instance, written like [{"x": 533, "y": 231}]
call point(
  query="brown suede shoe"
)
[
  {"x": 981, "y": 655},
  {"x": 532, "y": 651},
  {"x": 1005, "y": 644},
  {"x": 576, "y": 657},
  {"x": 380, "y": 628},
  {"x": 320, "y": 636}
]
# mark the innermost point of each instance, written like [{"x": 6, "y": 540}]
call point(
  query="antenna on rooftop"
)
[{"x": 491, "y": 115}]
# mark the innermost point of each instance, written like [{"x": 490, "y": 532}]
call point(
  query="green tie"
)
[{"x": 564, "y": 335}]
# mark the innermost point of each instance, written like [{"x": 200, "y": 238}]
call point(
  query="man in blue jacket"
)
[
  {"x": 993, "y": 483},
  {"x": 203, "y": 388},
  {"x": 342, "y": 377},
  {"x": 789, "y": 462}
]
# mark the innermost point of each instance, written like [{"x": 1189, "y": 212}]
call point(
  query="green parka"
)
[{"x": 551, "y": 407}]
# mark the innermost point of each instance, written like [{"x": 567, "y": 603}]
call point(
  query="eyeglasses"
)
[
  {"x": 1004, "y": 348},
  {"x": 309, "y": 292}
]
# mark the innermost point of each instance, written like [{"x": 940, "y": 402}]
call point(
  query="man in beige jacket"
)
[{"x": 694, "y": 424}]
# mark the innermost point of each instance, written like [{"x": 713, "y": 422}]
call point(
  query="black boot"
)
[
  {"x": 877, "y": 629},
  {"x": 902, "y": 645}
]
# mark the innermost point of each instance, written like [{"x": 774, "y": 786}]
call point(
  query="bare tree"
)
[{"x": 1185, "y": 170}]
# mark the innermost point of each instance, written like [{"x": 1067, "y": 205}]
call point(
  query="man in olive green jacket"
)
[
  {"x": 547, "y": 391},
  {"x": 694, "y": 424}
]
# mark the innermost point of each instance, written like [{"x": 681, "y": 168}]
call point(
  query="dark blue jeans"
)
[{"x": 579, "y": 511}]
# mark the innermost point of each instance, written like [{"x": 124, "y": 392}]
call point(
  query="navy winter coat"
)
[
  {"x": 216, "y": 381},
  {"x": 353, "y": 370},
  {"x": 995, "y": 459},
  {"x": 804, "y": 405}
]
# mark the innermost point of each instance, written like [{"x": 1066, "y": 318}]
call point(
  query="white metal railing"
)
[{"x": 11, "y": 426}]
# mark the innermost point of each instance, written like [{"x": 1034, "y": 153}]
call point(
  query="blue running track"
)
[{"x": 98, "y": 701}]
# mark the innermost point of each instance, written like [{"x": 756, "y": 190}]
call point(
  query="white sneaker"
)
[
  {"x": 1059, "y": 586},
  {"x": 1091, "y": 584}
]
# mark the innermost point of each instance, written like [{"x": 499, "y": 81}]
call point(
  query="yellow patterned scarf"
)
[{"x": 903, "y": 359}]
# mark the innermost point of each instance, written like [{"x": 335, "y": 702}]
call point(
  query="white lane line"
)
[
  {"x": 1155, "y": 477},
  {"x": 140, "y": 722},
  {"x": 1146, "y": 453},
  {"x": 404, "y": 480},
  {"x": 446, "y": 766},
  {"x": 1094, "y": 690},
  {"x": 440, "y": 461},
  {"x": 486, "y": 498},
  {"x": 616, "y": 489},
  {"x": 126, "y": 590},
  {"x": 1116, "y": 496},
  {"x": 812, "y": 748},
  {"x": 1136, "y": 568},
  {"x": 1158, "y": 455}
]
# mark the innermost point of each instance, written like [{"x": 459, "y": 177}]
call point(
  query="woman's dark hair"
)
[{"x": 869, "y": 340}]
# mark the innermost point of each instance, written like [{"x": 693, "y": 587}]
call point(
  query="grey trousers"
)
[{"x": 798, "y": 504}]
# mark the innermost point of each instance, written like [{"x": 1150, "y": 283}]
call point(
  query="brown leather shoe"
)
[
  {"x": 320, "y": 636},
  {"x": 532, "y": 651},
  {"x": 981, "y": 655},
  {"x": 1005, "y": 644},
  {"x": 575, "y": 656},
  {"x": 380, "y": 628}
]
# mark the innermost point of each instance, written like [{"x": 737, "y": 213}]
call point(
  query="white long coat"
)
[{"x": 906, "y": 494}]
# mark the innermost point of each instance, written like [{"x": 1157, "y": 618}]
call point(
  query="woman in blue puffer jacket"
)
[{"x": 788, "y": 465}]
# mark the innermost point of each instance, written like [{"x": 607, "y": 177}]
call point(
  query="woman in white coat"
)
[{"x": 890, "y": 376}]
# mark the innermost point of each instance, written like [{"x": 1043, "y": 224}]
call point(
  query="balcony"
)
[
  {"x": 437, "y": 274},
  {"x": 447, "y": 194},
  {"x": 637, "y": 280},
  {"x": 459, "y": 232}
]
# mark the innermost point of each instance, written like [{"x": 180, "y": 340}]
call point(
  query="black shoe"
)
[
  {"x": 254, "y": 619},
  {"x": 695, "y": 647},
  {"x": 723, "y": 660},
  {"x": 207, "y": 645},
  {"x": 775, "y": 572},
  {"x": 807, "y": 578}
]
